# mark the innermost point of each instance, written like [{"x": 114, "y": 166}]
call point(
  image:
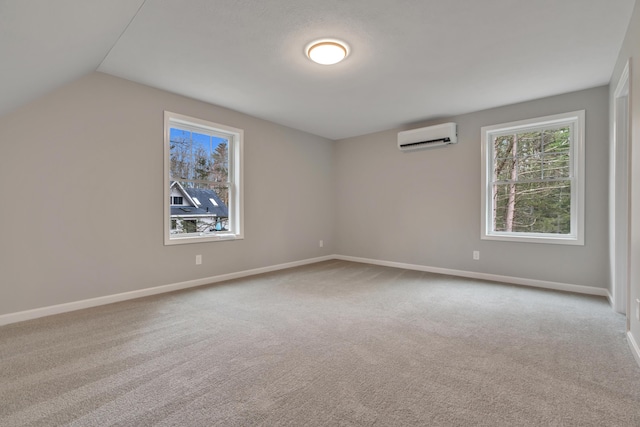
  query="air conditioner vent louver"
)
[{"x": 432, "y": 136}]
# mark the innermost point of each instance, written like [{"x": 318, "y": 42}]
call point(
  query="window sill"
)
[
  {"x": 529, "y": 238},
  {"x": 202, "y": 239}
]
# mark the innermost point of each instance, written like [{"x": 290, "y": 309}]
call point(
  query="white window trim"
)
[
  {"x": 576, "y": 237},
  {"x": 236, "y": 187}
]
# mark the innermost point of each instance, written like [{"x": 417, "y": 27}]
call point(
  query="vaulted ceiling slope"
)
[{"x": 410, "y": 60}]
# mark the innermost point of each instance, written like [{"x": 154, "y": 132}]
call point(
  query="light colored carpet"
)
[{"x": 329, "y": 344}]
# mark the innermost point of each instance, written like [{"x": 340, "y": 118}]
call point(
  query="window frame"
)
[
  {"x": 576, "y": 122},
  {"x": 235, "y": 183}
]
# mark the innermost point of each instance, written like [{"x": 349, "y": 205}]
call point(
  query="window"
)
[
  {"x": 190, "y": 225},
  {"x": 203, "y": 180},
  {"x": 533, "y": 180}
]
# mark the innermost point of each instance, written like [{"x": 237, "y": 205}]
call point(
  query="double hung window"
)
[
  {"x": 203, "y": 180},
  {"x": 533, "y": 180}
]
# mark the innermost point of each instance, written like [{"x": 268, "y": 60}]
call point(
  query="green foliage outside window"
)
[{"x": 532, "y": 181}]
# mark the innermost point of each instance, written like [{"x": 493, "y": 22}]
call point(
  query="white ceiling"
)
[{"x": 411, "y": 60}]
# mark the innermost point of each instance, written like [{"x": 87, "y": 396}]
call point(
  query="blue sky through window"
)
[{"x": 197, "y": 140}]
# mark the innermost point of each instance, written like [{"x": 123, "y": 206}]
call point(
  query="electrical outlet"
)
[
  {"x": 476, "y": 255},
  {"x": 198, "y": 259},
  {"x": 321, "y": 243}
]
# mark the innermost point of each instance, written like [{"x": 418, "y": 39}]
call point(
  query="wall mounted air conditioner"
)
[{"x": 432, "y": 136}]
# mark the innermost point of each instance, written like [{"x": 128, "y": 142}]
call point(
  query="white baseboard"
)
[
  {"x": 610, "y": 299},
  {"x": 635, "y": 349},
  {"x": 484, "y": 276},
  {"x": 20, "y": 316}
]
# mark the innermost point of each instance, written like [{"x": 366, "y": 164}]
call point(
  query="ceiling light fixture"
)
[{"x": 327, "y": 52}]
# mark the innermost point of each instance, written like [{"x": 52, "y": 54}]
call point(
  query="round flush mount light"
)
[{"x": 327, "y": 51}]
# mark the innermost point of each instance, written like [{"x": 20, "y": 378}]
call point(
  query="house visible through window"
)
[
  {"x": 190, "y": 225},
  {"x": 203, "y": 162},
  {"x": 533, "y": 180}
]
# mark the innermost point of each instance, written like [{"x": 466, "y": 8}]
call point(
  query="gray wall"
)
[
  {"x": 630, "y": 49},
  {"x": 81, "y": 177},
  {"x": 423, "y": 207}
]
